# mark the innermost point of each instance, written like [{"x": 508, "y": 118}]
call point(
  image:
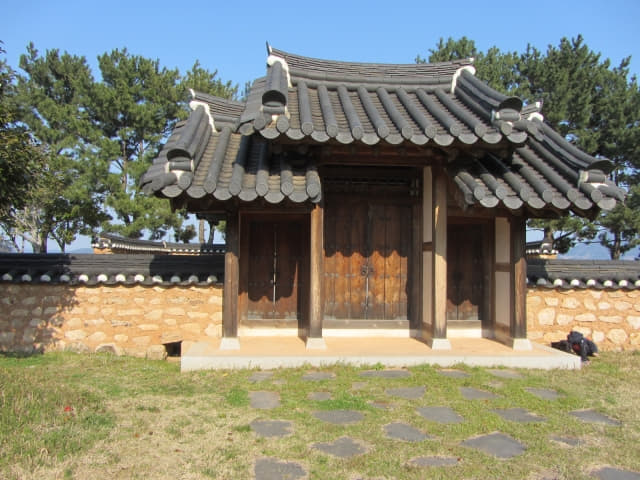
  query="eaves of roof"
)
[{"x": 501, "y": 152}]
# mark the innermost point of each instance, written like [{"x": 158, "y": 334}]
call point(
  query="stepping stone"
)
[
  {"x": 381, "y": 405},
  {"x": 318, "y": 376},
  {"x": 358, "y": 385},
  {"x": 274, "y": 469},
  {"x": 402, "y": 431},
  {"x": 440, "y": 414},
  {"x": 434, "y": 461},
  {"x": 510, "y": 374},
  {"x": 264, "y": 400},
  {"x": 470, "y": 393},
  {"x": 339, "y": 417},
  {"x": 260, "y": 376},
  {"x": 519, "y": 415},
  {"x": 591, "y": 416},
  {"x": 410, "y": 393},
  {"x": 452, "y": 373},
  {"x": 385, "y": 373},
  {"x": 544, "y": 393},
  {"x": 496, "y": 444},
  {"x": 271, "y": 428},
  {"x": 570, "y": 441},
  {"x": 344, "y": 447},
  {"x": 319, "y": 396},
  {"x": 610, "y": 473}
]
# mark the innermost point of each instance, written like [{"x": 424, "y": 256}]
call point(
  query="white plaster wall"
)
[
  {"x": 502, "y": 294},
  {"x": 427, "y": 205},
  {"x": 503, "y": 252}
]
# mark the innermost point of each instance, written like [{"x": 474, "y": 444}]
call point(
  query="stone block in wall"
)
[
  {"x": 617, "y": 336},
  {"x": 586, "y": 317},
  {"x": 111, "y": 348},
  {"x": 141, "y": 341},
  {"x": 97, "y": 337},
  {"x": 546, "y": 316},
  {"x": 156, "y": 352},
  {"x": 193, "y": 328},
  {"x": 610, "y": 318},
  {"x": 589, "y": 304},
  {"x": 76, "y": 334},
  {"x": 213, "y": 330},
  {"x": 634, "y": 321},
  {"x": 551, "y": 301},
  {"x": 586, "y": 331},
  {"x": 598, "y": 336},
  {"x": 604, "y": 306},
  {"x": 622, "y": 306},
  {"x": 171, "y": 337},
  {"x": 153, "y": 315},
  {"x": 149, "y": 326},
  {"x": 563, "y": 319},
  {"x": 634, "y": 339}
]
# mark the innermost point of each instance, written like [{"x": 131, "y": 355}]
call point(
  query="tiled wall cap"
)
[
  {"x": 608, "y": 283},
  {"x": 26, "y": 277},
  {"x": 156, "y": 279},
  {"x": 193, "y": 279},
  {"x": 83, "y": 278},
  {"x": 45, "y": 278},
  {"x": 558, "y": 282},
  {"x": 541, "y": 281},
  {"x": 121, "y": 278},
  {"x": 623, "y": 283},
  {"x": 575, "y": 282},
  {"x": 139, "y": 278},
  {"x": 591, "y": 282},
  {"x": 102, "y": 278},
  {"x": 175, "y": 279},
  {"x": 214, "y": 279}
]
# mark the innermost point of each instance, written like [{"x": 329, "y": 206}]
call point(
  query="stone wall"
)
[
  {"x": 137, "y": 320},
  {"x": 611, "y": 318}
]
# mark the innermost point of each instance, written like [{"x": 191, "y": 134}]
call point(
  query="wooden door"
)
[
  {"x": 276, "y": 271},
  {"x": 366, "y": 261},
  {"x": 465, "y": 272}
]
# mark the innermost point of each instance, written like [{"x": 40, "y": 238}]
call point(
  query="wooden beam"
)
[
  {"x": 439, "y": 264},
  {"x": 519, "y": 278},
  {"x": 316, "y": 298},
  {"x": 415, "y": 269},
  {"x": 231, "y": 279}
]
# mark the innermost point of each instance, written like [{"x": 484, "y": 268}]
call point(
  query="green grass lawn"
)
[{"x": 100, "y": 416}]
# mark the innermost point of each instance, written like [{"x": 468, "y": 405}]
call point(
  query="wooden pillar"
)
[
  {"x": 518, "y": 327},
  {"x": 231, "y": 283},
  {"x": 439, "y": 265},
  {"x": 316, "y": 297}
]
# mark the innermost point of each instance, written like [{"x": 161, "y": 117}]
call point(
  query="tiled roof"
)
[
  {"x": 226, "y": 148},
  {"x": 87, "y": 269},
  {"x": 209, "y": 269},
  {"x": 130, "y": 245},
  {"x": 584, "y": 273}
]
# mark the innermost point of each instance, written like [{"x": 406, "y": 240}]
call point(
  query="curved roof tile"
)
[{"x": 223, "y": 149}]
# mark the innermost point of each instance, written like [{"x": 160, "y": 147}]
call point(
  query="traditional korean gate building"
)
[{"x": 373, "y": 199}]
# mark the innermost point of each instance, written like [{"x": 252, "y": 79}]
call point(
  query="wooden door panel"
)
[
  {"x": 275, "y": 247},
  {"x": 366, "y": 261},
  {"x": 260, "y": 289},
  {"x": 465, "y": 275}
]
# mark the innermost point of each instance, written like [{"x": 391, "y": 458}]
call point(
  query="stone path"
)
[{"x": 496, "y": 444}]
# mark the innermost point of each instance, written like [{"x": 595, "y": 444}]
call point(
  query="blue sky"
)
[{"x": 230, "y": 37}]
